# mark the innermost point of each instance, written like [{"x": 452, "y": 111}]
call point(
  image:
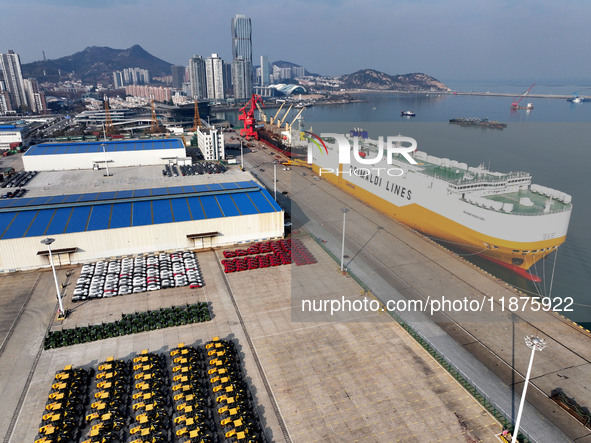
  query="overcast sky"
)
[{"x": 450, "y": 40}]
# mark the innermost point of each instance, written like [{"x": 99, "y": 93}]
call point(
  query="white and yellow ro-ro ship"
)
[{"x": 500, "y": 216}]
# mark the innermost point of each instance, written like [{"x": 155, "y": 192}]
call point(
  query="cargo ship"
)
[{"x": 503, "y": 217}]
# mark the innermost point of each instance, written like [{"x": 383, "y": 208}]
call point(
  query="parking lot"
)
[
  {"x": 140, "y": 274},
  {"x": 350, "y": 379}
]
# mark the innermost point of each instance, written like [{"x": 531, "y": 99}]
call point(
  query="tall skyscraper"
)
[
  {"x": 10, "y": 65},
  {"x": 241, "y": 37},
  {"x": 214, "y": 71},
  {"x": 265, "y": 71},
  {"x": 178, "y": 76},
  {"x": 241, "y": 56},
  {"x": 197, "y": 77},
  {"x": 242, "y": 79}
]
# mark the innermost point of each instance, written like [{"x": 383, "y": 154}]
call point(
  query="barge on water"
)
[{"x": 482, "y": 122}]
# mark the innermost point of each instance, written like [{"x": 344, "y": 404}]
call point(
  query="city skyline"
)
[{"x": 448, "y": 40}]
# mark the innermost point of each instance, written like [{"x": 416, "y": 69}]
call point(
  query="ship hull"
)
[{"x": 516, "y": 255}]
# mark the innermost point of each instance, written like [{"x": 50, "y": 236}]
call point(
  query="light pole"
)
[
  {"x": 106, "y": 162},
  {"x": 535, "y": 344},
  {"x": 275, "y": 179},
  {"x": 241, "y": 157},
  {"x": 345, "y": 210},
  {"x": 48, "y": 242}
]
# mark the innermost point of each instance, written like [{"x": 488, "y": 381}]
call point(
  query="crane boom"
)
[
  {"x": 283, "y": 119},
  {"x": 295, "y": 118},
  {"x": 196, "y": 118},
  {"x": 262, "y": 112},
  {"x": 277, "y": 113},
  {"x": 515, "y": 104}
]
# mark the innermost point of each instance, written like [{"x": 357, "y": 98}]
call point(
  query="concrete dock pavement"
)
[
  {"x": 348, "y": 378},
  {"x": 398, "y": 263}
]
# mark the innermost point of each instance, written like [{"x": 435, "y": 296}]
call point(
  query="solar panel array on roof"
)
[
  {"x": 245, "y": 198},
  {"x": 110, "y": 146}
]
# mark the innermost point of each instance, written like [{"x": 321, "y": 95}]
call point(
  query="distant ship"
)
[
  {"x": 575, "y": 99},
  {"x": 483, "y": 122},
  {"x": 500, "y": 216},
  {"x": 407, "y": 114}
]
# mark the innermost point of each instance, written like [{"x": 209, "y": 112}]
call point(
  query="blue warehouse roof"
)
[
  {"x": 110, "y": 146},
  {"x": 67, "y": 214}
]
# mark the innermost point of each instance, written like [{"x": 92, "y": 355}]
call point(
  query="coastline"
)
[
  {"x": 485, "y": 94},
  {"x": 359, "y": 92}
]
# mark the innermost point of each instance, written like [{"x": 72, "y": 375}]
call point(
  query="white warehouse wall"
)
[
  {"x": 21, "y": 254},
  {"x": 115, "y": 159}
]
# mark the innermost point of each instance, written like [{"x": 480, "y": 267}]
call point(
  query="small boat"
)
[
  {"x": 407, "y": 114},
  {"x": 575, "y": 99}
]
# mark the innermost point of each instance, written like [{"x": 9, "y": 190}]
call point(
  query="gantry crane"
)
[
  {"x": 108, "y": 120},
  {"x": 154, "y": 123},
  {"x": 248, "y": 117},
  {"x": 196, "y": 118}
]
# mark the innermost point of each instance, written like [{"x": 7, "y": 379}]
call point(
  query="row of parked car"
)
[
  {"x": 19, "y": 179},
  {"x": 15, "y": 194},
  {"x": 264, "y": 255},
  {"x": 139, "y": 274},
  {"x": 196, "y": 169}
]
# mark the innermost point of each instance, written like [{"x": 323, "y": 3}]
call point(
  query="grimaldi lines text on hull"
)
[{"x": 501, "y": 216}]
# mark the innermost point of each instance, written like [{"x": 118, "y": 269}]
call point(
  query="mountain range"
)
[{"x": 96, "y": 64}]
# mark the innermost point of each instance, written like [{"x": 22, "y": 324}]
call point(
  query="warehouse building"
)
[
  {"x": 118, "y": 223},
  {"x": 91, "y": 155},
  {"x": 11, "y": 136}
]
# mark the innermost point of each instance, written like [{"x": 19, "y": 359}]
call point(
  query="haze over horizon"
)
[{"x": 452, "y": 40}]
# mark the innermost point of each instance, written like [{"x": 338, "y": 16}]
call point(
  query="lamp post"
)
[
  {"x": 48, "y": 242},
  {"x": 344, "y": 210},
  {"x": 275, "y": 179},
  {"x": 106, "y": 162},
  {"x": 535, "y": 344},
  {"x": 241, "y": 157}
]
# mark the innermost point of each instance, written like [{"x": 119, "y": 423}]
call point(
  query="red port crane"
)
[
  {"x": 248, "y": 117},
  {"x": 515, "y": 104}
]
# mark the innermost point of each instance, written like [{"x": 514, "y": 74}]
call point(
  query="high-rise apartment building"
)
[
  {"x": 241, "y": 77},
  {"x": 35, "y": 97},
  {"x": 5, "y": 107},
  {"x": 10, "y": 65},
  {"x": 178, "y": 76},
  {"x": 197, "y": 77},
  {"x": 118, "y": 79},
  {"x": 214, "y": 71},
  {"x": 265, "y": 71}
]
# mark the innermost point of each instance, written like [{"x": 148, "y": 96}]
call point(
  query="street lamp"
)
[
  {"x": 241, "y": 157},
  {"x": 106, "y": 162},
  {"x": 275, "y": 179},
  {"x": 344, "y": 210},
  {"x": 48, "y": 242},
  {"x": 535, "y": 344}
]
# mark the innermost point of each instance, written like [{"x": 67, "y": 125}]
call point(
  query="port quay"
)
[{"x": 419, "y": 374}]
